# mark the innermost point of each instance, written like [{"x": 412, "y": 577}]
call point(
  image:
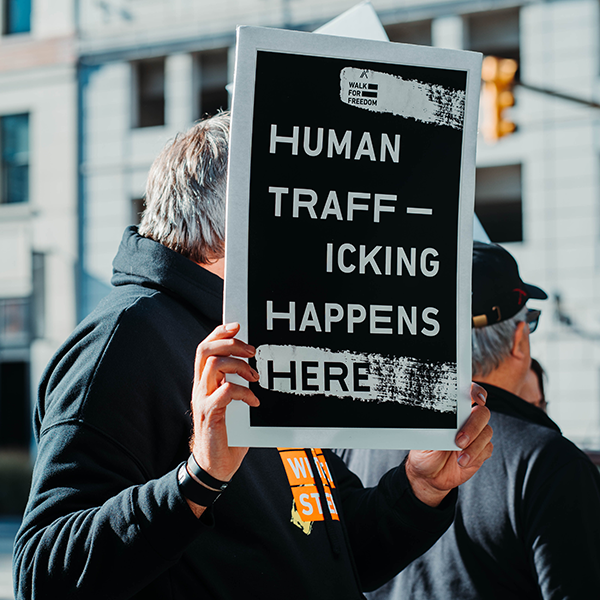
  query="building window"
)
[
  {"x": 417, "y": 32},
  {"x": 213, "y": 77},
  {"x": 149, "y": 93},
  {"x": 15, "y": 428},
  {"x": 498, "y": 202},
  {"x": 14, "y": 152},
  {"x": 17, "y": 16},
  {"x": 14, "y": 322},
  {"x": 495, "y": 33}
]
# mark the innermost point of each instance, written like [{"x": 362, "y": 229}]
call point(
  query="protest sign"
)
[{"x": 349, "y": 229}]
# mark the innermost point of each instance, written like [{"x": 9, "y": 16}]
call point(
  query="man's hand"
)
[
  {"x": 432, "y": 473},
  {"x": 211, "y": 395}
]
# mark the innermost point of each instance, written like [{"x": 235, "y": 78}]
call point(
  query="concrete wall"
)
[
  {"x": 38, "y": 76},
  {"x": 559, "y": 146}
]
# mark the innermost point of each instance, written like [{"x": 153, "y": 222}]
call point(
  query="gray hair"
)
[
  {"x": 185, "y": 192},
  {"x": 492, "y": 344}
]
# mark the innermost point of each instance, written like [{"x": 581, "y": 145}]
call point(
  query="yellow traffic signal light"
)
[{"x": 498, "y": 76}]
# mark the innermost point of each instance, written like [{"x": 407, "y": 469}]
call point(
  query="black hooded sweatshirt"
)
[{"x": 106, "y": 519}]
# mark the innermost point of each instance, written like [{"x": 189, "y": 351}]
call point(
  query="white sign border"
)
[{"x": 249, "y": 41}]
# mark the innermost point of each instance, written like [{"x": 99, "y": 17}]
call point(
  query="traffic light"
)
[{"x": 498, "y": 76}]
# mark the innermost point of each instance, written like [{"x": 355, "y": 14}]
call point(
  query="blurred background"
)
[{"x": 91, "y": 90}]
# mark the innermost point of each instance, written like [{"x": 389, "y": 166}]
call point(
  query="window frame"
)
[
  {"x": 139, "y": 117},
  {"x": 7, "y": 167},
  {"x": 7, "y": 7}
]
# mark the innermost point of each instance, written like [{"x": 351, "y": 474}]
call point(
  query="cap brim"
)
[{"x": 535, "y": 292}]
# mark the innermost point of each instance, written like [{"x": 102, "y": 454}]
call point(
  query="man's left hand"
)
[{"x": 433, "y": 473}]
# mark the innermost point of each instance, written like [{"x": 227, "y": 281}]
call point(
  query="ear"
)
[{"x": 520, "y": 347}]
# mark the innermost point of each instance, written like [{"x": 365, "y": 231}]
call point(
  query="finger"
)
[
  {"x": 216, "y": 346},
  {"x": 471, "y": 454},
  {"x": 474, "y": 463},
  {"x": 218, "y": 366},
  {"x": 224, "y": 395},
  {"x": 474, "y": 425},
  {"x": 209, "y": 415},
  {"x": 222, "y": 332},
  {"x": 227, "y": 330},
  {"x": 240, "y": 393},
  {"x": 478, "y": 394},
  {"x": 227, "y": 347}
]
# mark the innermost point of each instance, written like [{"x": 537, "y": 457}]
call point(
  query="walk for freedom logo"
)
[{"x": 412, "y": 99}]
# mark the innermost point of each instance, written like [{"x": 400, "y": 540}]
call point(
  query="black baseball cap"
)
[{"x": 498, "y": 290}]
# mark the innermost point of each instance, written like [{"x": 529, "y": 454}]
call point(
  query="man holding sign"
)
[{"x": 119, "y": 508}]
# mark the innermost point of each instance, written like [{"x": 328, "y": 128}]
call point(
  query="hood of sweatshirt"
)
[{"x": 142, "y": 261}]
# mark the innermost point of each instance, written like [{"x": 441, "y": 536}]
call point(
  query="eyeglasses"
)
[{"x": 532, "y": 319}]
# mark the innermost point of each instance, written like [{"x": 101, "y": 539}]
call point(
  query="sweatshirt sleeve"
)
[
  {"x": 92, "y": 530},
  {"x": 388, "y": 526},
  {"x": 105, "y": 517}
]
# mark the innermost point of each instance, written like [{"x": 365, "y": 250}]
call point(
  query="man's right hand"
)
[{"x": 212, "y": 394}]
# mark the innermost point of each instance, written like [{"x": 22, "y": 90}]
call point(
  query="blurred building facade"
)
[
  {"x": 38, "y": 200},
  {"x": 148, "y": 68}
]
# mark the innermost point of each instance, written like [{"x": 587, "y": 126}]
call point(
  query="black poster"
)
[{"x": 345, "y": 212}]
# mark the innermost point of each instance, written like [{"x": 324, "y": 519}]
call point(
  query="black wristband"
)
[
  {"x": 201, "y": 475},
  {"x": 193, "y": 490}
]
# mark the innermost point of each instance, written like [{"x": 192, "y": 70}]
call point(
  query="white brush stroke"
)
[
  {"x": 412, "y": 99},
  {"x": 397, "y": 379}
]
